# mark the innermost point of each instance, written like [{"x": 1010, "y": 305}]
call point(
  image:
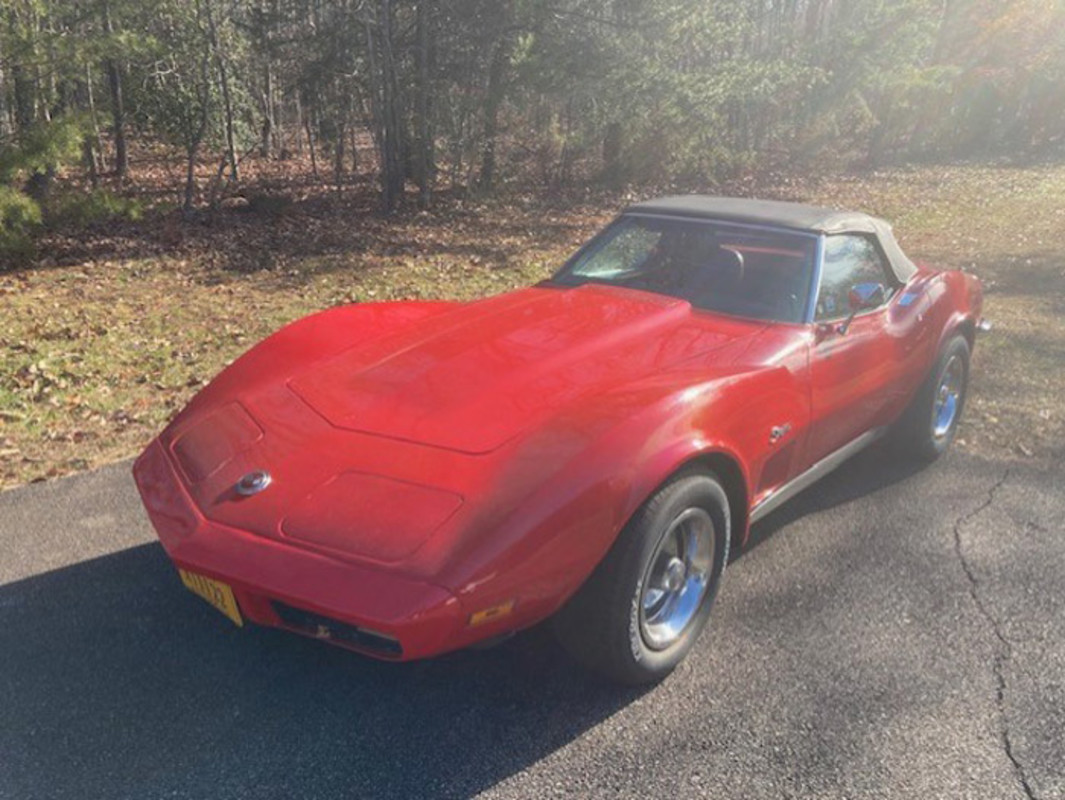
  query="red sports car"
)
[{"x": 405, "y": 479}]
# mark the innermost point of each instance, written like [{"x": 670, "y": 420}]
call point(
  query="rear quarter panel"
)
[{"x": 952, "y": 304}]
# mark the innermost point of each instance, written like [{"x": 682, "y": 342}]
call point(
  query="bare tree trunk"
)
[
  {"x": 266, "y": 145},
  {"x": 275, "y": 95},
  {"x": 311, "y": 145},
  {"x": 299, "y": 124},
  {"x": 393, "y": 132},
  {"x": 612, "y": 142},
  {"x": 88, "y": 154},
  {"x": 268, "y": 125},
  {"x": 354, "y": 144},
  {"x": 26, "y": 90},
  {"x": 4, "y": 128},
  {"x": 88, "y": 157},
  {"x": 220, "y": 62},
  {"x": 118, "y": 109},
  {"x": 424, "y": 166},
  {"x": 196, "y": 137},
  {"x": 338, "y": 162},
  {"x": 99, "y": 162},
  {"x": 118, "y": 119},
  {"x": 190, "y": 181},
  {"x": 385, "y": 106},
  {"x": 496, "y": 87}
]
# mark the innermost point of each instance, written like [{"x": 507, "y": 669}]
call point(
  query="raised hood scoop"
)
[{"x": 474, "y": 378}]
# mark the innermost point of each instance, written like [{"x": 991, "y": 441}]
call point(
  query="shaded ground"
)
[
  {"x": 892, "y": 632},
  {"x": 115, "y": 328}
]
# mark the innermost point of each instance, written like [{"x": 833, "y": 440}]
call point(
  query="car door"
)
[{"x": 853, "y": 369}]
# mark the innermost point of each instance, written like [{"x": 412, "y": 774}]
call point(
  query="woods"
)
[
  {"x": 260, "y": 159},
  {"x": 474, "y": 94}
]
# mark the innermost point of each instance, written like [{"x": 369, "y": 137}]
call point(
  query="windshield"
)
[{"x": 733, "y": 269}]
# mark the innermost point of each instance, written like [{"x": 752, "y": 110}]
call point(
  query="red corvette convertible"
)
[{"x": 405, "y": 479}]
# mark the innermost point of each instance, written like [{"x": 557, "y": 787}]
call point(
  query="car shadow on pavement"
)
[
  {"x": 115, "y": 682},
  {"x": 875, "y": 468}
]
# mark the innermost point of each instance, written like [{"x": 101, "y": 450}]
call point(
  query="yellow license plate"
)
[{"x": 218, "y": 594}]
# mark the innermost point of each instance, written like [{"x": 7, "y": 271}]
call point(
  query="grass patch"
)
[{"x": 100, "y": 347}]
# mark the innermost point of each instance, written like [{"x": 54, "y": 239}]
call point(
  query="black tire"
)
[
  {"x": 921, "y": 432},
  {"x": 605, "y": 625}
]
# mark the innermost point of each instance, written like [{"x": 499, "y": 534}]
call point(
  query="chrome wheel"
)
[
  {"x": 948, "y": 398},
  {"x": 645, "y": 605},
  {"x": 677, "y": 578}
]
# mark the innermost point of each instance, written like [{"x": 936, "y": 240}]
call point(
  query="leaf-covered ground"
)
[
  {"x": 1006, "y": 225},
  {"x": 114, "y": 329}
]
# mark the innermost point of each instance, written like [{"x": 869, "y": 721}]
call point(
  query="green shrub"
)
[
  {"x": 40, "y": 148},
  {"x": 80, "y": 210},
  {"x": 20, "y": 217}
]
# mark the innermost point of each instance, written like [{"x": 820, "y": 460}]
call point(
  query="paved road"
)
[{"x": 889, "y": 634}]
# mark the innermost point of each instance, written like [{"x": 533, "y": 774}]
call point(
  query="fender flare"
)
[{"x": 719, "y": 457}]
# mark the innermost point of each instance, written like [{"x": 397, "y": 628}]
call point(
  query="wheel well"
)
[
  {"x": 967, "y": 328},
  {"x": 731, "y": 476}
]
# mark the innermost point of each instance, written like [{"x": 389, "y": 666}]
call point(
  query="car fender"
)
[
  {"x": 962, "y": 304},
  {"x": 535, "y": 551}
]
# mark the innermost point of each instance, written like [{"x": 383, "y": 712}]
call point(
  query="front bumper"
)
[{"x": 371, "y": 611}]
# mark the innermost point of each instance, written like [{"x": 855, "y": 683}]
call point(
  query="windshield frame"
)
[{"x": 564, "y": 276}]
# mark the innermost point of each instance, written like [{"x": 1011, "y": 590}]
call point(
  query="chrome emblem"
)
[
  {"x": 253, "y": 482},
  {"x": 778, "y": 432}
]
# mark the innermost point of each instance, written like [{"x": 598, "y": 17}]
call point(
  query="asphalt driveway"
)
[{"x": 891, "y": 633}]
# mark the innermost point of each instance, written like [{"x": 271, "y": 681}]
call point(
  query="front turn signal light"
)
[{"x": 491, "y": 614}]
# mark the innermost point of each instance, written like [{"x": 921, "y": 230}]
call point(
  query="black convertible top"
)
[
  {"x": 797, "y": 216},
  {"x": 761, "y": 212}
]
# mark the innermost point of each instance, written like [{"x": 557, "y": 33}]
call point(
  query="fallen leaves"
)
[{"x": 99, "y": 350}]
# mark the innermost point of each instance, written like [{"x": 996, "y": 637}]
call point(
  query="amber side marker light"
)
[{"x": 491, "y": 614}]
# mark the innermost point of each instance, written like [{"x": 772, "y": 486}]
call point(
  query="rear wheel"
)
[
  {"x": 641, "y": 611},
  {"x": 929, "y": 425}
]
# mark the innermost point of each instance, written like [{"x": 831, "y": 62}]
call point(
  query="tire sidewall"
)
[
  {"x": 958, "y": 347},
  {"x": 695, "y": 491}
]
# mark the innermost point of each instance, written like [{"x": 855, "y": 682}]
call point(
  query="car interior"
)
[{"x": 761, "y": 275}]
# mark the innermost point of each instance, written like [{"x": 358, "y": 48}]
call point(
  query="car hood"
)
[
  {"x": 377, "y": 423},
  {"x": 475, "y": 377}
]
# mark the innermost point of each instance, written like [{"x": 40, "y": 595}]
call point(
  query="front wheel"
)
[
  {"x": 642, "y": 609},
  {"x": 929, "y": 425}
]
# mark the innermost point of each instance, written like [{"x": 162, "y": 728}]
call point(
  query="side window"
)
[{"x": 848, "y": 261}]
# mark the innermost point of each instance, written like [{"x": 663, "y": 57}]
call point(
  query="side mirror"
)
[
  {"x": 861, "y": 297},
  {"x": 866, "y": 295}
]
